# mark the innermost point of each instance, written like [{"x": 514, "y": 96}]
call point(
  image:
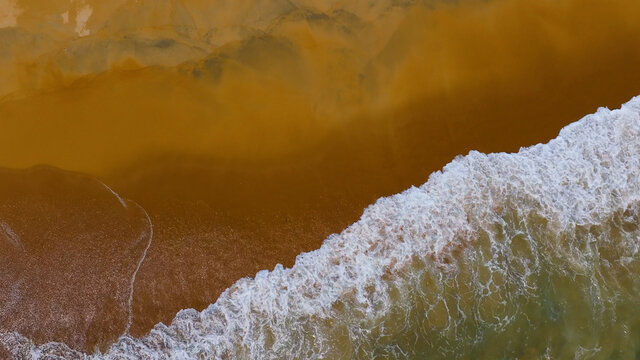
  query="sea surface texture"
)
[
  {"x": 156, "y": 154},
  {"x": 526, "y": 255}
]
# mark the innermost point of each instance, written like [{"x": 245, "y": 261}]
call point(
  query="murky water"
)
[{"x": 234, "y": 136}]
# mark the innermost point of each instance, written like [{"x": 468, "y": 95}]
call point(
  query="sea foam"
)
[{"x": 498, "y": 255}]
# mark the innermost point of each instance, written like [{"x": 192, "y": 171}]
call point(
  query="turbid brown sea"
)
[{"x": 158, "y": 151}]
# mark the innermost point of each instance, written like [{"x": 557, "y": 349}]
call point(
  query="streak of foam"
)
[
  {"x": 443, "y": 269},
  {"x": 142, "y": 257},
  {"x": 122, "y": 202},
  {"x": 13, "y": 238},
  {"x": 135, "y": 273}
]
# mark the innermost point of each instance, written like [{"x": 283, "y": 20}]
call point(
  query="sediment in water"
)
[
  {"x": 501, "y": 255},
  {"x": 250, "y": 135}
]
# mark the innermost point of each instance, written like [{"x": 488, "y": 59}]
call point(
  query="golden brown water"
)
[{"x": 251, "y": 131}]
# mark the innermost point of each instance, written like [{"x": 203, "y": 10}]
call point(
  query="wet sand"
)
[
  {"x": 250, "y": 172},
  {"x": 68, "y": 250}
]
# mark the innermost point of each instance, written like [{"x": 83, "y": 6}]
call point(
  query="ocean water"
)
[
  {"x": 155, "y": 153},
  {"x": 528, "y": 255}
]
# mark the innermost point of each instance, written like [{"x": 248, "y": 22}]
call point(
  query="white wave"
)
[{"x": 587, "y": 174}]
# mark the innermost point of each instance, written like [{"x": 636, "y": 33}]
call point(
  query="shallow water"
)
[
  {"x": 525, "y": 255},
  {"x": 248, "y": 132}
]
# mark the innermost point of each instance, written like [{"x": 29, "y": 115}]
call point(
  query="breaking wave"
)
[{"x": 525, "y": 255}]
